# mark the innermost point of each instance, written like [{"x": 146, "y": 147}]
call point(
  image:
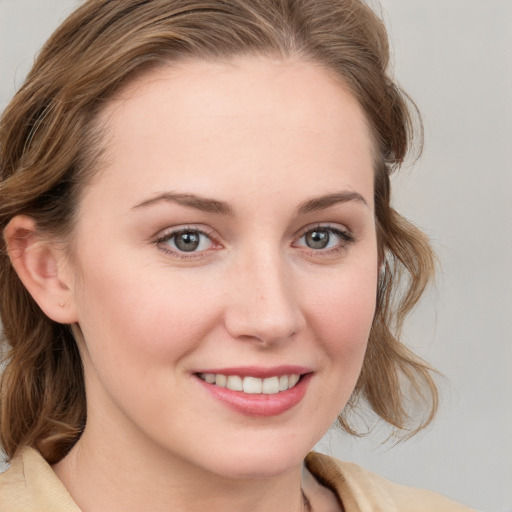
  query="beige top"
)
[{"x": 30, "y": 485}]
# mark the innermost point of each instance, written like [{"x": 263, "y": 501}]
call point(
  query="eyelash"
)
[
  {"x": 345, "y": 236},
  {"x": 167, "y": 236}
]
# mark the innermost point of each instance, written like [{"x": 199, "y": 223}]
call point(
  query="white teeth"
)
[
  {"x": 270, "y": 386},
  {"x": 292, "y": 380},
  {"x": 235, "y": 383},
  {"x": 252, "y": 385},
  {"x": 221, "y": 380},
  {"x": 210, "y": 378}
]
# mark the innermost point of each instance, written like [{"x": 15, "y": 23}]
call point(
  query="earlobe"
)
[{"x": 39, "y": 265}]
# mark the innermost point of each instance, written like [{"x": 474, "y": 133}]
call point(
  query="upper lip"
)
[{"x": 258, "y": 371}]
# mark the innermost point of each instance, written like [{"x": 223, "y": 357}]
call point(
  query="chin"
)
[{"x": 259, "y": 460}]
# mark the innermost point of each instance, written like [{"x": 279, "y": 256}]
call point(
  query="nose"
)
[{"x": 263, "y": 303}]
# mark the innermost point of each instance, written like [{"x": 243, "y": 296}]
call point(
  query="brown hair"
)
[{"x": 48, "y": 145}]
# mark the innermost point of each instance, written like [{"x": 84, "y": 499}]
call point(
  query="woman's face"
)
[{"x": 228, "y": 242}]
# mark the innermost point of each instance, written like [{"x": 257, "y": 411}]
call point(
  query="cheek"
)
[
  {"x": 138, "y": 335},
  {"x": 341, "y": 316},
  {"x": 342, "y": 313},
  {"x": 152, "y": 316}
]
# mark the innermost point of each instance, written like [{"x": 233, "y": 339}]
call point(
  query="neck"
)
[{"x": 98, "y": 473}]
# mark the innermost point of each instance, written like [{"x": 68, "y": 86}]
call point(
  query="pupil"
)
[
  {"x": 317, "y": 239},
  {"x": 187, "y": 242}
]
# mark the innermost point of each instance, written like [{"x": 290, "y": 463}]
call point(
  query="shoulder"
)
[
  {"x": 12, "y": 484},
  {"x": 364, "y": 491},
  {"x": 30, "y": 485}
]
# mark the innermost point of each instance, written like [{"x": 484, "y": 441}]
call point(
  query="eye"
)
[
  {"x": 318, "y": 239},
  {"x": 324, "y": 238},
  {"x": 188, "y": 240}
]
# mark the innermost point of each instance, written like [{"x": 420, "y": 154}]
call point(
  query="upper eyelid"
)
[
  {"x": 334, "y": 226},
  {"x": 163, "y": 236},
  {"x": 168, "y": 232},
  {"x": 216, "y": 238},
  {"x": 345, "y": 235}
]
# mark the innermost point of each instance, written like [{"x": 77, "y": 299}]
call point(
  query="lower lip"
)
[{"x": 259, "y": 404}]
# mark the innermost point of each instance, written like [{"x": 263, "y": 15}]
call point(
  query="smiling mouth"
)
[{"x": 252, "y": 385}]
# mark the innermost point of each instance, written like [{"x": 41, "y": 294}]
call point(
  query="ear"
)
[{"x": 41, "y": 267}]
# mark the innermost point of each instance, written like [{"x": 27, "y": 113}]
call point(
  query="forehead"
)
[{"x": 243, "y": 121}]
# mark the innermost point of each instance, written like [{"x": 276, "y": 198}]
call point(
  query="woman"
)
[{"x": 202, "y": 267}]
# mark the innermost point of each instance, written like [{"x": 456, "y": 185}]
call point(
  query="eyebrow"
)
[
  {"x": 204, "y": 204},
  {"x": 209, "y": 205},
  {"x": 323, "y": 202}
]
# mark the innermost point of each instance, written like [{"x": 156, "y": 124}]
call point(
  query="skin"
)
[{"x": 264, "y": 137}]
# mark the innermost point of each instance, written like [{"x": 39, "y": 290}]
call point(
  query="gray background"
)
[{"x": 454, "y": 58}]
